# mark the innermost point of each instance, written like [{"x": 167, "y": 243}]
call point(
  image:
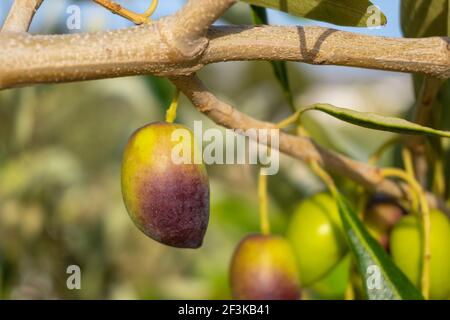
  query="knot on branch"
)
[{"x": 182, "y": 48}]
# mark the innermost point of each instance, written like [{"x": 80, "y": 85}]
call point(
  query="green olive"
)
[
  {"x": 263, "y": 268},
  {"x": 406, "y": 249},
  {"x": 315, "y": 232}
]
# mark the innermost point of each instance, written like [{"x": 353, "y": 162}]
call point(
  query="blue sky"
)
[{"x": 53, "y": 9}]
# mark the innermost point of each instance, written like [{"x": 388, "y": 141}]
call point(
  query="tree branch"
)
[
  {"x": 179, "y": 45},
  {"x": 21, "y": 15},
  {"x": 27, "y": 60},
  {"x": 324, "y": 46},
  {"x": 301, "y": 148},
  {"x": 187, "y": 28}
]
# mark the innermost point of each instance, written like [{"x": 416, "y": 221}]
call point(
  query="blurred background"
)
[{"x": 61, "y": 149}]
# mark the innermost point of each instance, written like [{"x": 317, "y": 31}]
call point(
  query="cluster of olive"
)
[
  {"x": 272, "y": 267},
  {"x": 170, "y": 203}
]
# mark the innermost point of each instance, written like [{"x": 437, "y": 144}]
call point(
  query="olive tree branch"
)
[
  {"x": 179, "y": 45},
  {"x": 27, "y": 59},
  {"x": 298, "y": 147},
  {"x": 20, "y": 16},
  {"x": 186, "y": 30},
  {"x": 188, "y": 27}
]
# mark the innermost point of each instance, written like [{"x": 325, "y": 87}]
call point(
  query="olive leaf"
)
[
  {"x": 382, "y": 279},
  {"x": 259, "y": 16},
  {"x": 354, "y": 13},
  {"x": 424, "y": 18},
  {"x": 376, "y": 121}
]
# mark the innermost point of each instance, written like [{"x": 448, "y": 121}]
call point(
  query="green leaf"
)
[
  {"x": 259, "y": 16},
  {"x": 424, "y": 18},
  {"x": 382, "y": 279},
  {"x": 162, "y": 89},
  {"x": 353, "y": 13},
  {"x": 448, "y": 17},
  {"x": 376, "y": 121}
]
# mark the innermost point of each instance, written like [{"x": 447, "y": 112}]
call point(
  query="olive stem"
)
[
  {"x": 425, "y": 214},
  {"x": 262, "y": 195},
  {"x": 438, "y": 160},
  {"x": 409, "y": 168},
  {"x": 438, "y": 176},
  {"x": 134, "y": 17},
  {"x": 293, "y": 118},
  {"x": 349, "y": 293},
  {"x": 171, "y": 113},
  {"x": 326, "y": 178},
  {"x": 408, "y": 162},
  {"x": 329, "y": 182},
  {"x": 375, "y": 157}
]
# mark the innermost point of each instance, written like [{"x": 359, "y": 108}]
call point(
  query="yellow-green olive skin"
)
[
  {"x": 406, "y": 250},
  {"x": 168, "y": 201},
  {"x": 263, "y": 268},
  {"x": 316, "y": 234}
]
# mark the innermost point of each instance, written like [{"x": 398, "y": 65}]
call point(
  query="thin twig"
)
[
  {"x": 171, "y": 113},
  {"x": 136, "y": 18},
  {"x": 27, "y": 60}
]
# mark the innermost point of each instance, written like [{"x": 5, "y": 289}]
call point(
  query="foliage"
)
[
  {"x": 60, "y": 202},
  {"x": 345, "y": 12}
]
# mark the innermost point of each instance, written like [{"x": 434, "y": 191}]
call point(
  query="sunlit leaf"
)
[
  {"x": 356, "y": 13},
  {"x": 376, "y": 121},
  {"x": 381, "y": 278}
]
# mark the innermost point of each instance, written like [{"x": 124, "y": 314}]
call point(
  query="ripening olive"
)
[
  {"x": 381, "y": 215},
  {"x": 315, "y": 232},
  {"x": 406, "y": 249},
  {"x": 263, "y": 268},
  {"x": 167, "y": 200}
]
